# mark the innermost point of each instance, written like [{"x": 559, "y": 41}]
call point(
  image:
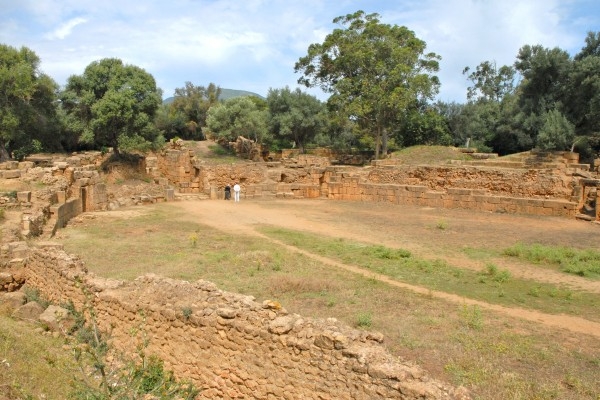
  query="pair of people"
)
[{"x": 236, "y": 192}]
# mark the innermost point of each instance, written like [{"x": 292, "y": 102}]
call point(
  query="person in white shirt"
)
[{"x": 236, "y": 192}]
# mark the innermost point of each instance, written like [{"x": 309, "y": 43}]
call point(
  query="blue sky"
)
[{"x": 254, "y": 44}]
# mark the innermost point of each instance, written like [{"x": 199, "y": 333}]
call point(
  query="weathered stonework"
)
[
  {"x": 230, "y": 345},
  {"x": 544, "y": 186}
]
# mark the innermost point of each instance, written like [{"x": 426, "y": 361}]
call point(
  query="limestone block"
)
[
  {"x": 57, "y": 319},
  {"x": 11, "y": 165},
  {"x": 29, "y": 312},
  {"x": 11, "y": 174},
  {"x": 24, "y": 197},
  {"x": 25, "y": 165},
  {"x": 12, "y": 300}
]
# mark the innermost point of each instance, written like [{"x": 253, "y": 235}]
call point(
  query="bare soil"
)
[{"x": 426, "y": 232}]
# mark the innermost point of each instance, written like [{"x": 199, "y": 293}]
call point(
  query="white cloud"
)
[
  {"x": 65, "y": 29},
  {"x": 256, "y": 43}
]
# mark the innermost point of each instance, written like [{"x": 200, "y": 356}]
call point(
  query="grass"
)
[
  {"x": 428, "y": 155},
  {"x": 585, "y": 263},
  {"x": 30, "y": 362},
  {"x": 495, "y": 356},
  {"x": 490, "y": 285}
]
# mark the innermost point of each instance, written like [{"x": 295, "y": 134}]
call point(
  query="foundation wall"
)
[{"x": 230, "y": 345}]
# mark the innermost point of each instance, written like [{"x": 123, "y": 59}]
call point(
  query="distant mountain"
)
[{"x": 225, "y": 95}]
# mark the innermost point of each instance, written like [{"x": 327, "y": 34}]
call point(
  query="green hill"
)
[{"x": 225, "y": 95}]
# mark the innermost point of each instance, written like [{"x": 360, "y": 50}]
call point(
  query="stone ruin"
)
[
  {"x": 231, "y": 345},
  {"x": 535, "y": 183}
]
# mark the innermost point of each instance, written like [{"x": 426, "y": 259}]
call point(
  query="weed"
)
[
  {"x": 364, "y": 320},
  {"x": 472, "y": 317},
  {"x": 187, "y": 312},
  {"x": 441, "y": 225},
  {"x": 534, "y": 291},
  {"x": 497, "y": 275},
  {"x": 32, "y": 294},
  {"x": 585, "y": 263},
  {"x": 193, "y": 239}
]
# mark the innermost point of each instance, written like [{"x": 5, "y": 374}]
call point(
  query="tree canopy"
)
[
  {"x": 239, "y": 116},
  {"x": 295, "y": 116},
  {"x": 186, "y": 115},
  {"x": 373, "y": 71},
  {"x": 27, "y": 110},
  {"x": 112, "y": 104}
]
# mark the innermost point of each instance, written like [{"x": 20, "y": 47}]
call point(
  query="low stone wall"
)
[
  {"x": 536, "y": 191},
  {"x": 529, "y": 183},
  {"x": 470, "y": 199},
  {"x": 230, "y": 345}
]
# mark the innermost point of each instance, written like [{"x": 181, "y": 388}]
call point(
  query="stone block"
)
[
  {"x": 24, "y": 197},
  {"x": 11, "y": 174}
]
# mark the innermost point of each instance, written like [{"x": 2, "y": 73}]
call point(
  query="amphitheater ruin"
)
[{"x": 234, "y": 346}]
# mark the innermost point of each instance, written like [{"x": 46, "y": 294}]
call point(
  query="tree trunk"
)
[
  {"x": 4, "y": 156},
  {"x": 377, "y": 143},
  {"x": 384, "y": 143}
]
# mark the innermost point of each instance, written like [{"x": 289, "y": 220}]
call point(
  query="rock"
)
[
  {"x": 282, "y": 325},
  {"x": 29, "y": 312},
  {"x": 57, "y": 319},
  {"x": 13, "y": 300},
  {"x": 227, "y": 312}
]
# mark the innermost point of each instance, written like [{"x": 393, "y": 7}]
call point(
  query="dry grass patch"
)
[{"x": 496, "y": 356}]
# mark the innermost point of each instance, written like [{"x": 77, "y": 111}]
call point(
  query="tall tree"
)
[
  {"x": 490, "y": 82},
  {"x": 191, "y": 103},
  {"x": 113, "y": 104},
  {"x": 556, "y": 133},
  {"x": 544, "y": 73},
  {"x": 238, "y": 116},
  {"x": 582, "y": 95},
  {"x": 27, "y": 109},
  {"x": 423, "y": 125},
  {"x": 295, "y": 116},
  {"x": 373, "y": 71}
]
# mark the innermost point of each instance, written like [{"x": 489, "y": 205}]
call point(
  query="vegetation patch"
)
[
  {"x": 490, "y": 284},
  {"x": 585, "y": 263},
  {"x": 494, "y": 355}
]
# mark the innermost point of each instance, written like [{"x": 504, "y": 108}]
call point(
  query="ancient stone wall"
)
[
  {"x": 536, "y": 191},
  {"x": 529, "y": 183},
  {"x": 230, "y": 345}
]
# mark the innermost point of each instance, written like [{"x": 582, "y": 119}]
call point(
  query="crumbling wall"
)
[
  {"x": 550, "y": 189},
  {"x": 230, "y": 345},
  {"x": 529, "y": 183}
]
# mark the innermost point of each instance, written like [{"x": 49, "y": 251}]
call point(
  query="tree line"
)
[{"x": 381, "y": 84}]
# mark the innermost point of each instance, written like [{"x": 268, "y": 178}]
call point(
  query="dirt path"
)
[{"x": 418, "y": 230}]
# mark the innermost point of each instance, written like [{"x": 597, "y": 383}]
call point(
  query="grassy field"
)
[{"x": 495, "y": 356}]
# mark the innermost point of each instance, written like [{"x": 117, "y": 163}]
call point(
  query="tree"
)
[
  {"x": 190, "y": 105},
  {"x": 113, "y": 104},
  {"x": 424, "y": 125},
  {"x": 27, "y": 111},
  {"x": 295, "y": 116},
  {"x": 556, "y": 133},
  {"x": 373, "y": 71},
  {"x": 544, "y": 73},
  {"x": 238, "y": 116},
  {"x": 490, "y": 82}
]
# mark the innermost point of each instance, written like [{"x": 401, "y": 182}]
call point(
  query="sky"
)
[{"x": 253, "y": 44}]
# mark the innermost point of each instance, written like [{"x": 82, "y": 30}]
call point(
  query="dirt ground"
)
[{"x": 426, "y": 232}]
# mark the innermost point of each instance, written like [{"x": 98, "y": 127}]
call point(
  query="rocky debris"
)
[
  {"x": 57, "y": 319},
  {"x": 30, "y": 311}
]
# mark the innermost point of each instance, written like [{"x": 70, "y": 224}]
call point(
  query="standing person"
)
[
  {"x": 227, "y": 192},
  {"x": 236, "y": 192}
]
